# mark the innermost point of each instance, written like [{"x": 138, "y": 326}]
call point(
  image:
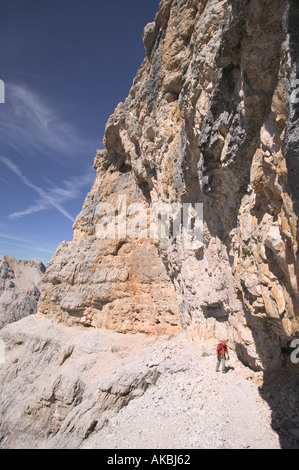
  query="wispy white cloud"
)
[
  {"x": 20, "y": 242},
  {"x": 4, "y": 180},
  {"x": 27, "y": 104},
  {"x": 26, "y": 246},
  {"x": 29, "y": 125},
  {"x": 52, "y": 197},
  {"x": 31, "y": 129}
]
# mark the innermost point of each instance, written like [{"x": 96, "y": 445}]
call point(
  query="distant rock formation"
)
[{"x": 19, "y": 288}]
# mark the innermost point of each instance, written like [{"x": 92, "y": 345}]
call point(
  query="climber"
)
[{"x": 222, "y": 354}]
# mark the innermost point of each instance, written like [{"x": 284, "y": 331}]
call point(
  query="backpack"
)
[{"x": 221, "y": 351}]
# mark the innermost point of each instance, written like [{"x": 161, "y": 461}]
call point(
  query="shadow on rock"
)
[{"x": 280, "y": 391}]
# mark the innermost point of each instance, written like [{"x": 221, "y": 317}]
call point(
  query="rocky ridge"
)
[{"x": 20, "y": 283}]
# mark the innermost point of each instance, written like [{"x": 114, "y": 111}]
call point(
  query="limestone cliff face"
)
[{"x": 211, "y": 118}]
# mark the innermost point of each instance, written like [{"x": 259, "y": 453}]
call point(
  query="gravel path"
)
[
  {"x": 69, "y": 388},
  {"x": 193, "y": 406}
]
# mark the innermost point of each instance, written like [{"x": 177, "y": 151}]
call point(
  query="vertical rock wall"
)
[{"x": 211, "y": 118}]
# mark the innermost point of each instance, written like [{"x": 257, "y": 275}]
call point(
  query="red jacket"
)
[{"x": 221, "y": 350}]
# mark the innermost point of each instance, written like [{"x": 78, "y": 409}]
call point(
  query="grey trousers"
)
[{"x": 222, "y": 362}]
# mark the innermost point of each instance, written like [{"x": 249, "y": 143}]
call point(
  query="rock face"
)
[
  {"x": 19, "y": 288},
  {"x": 211, "y": 118}
]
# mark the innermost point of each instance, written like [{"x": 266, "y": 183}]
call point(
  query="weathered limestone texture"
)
[
  {"x": 211, "y": 118},
  {"x": 19, "y": 288}
]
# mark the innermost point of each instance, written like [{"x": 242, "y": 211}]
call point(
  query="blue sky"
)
[{"x": 66, "y": 65}]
